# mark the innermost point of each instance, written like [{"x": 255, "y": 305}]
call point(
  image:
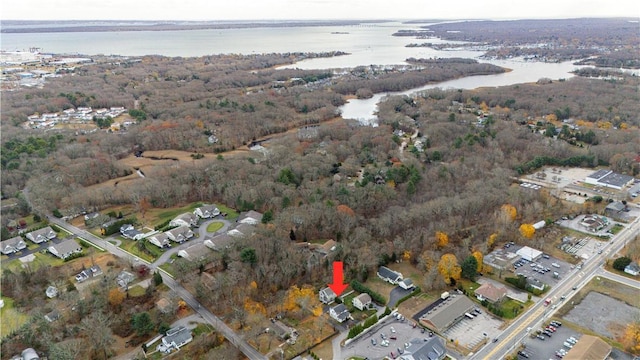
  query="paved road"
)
[
  {"x": 213, "y": 320},
  {"x": 513, "y": 335}
]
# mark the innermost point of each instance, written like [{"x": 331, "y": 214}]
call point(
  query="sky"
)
[{"x": 312, "y": 9}]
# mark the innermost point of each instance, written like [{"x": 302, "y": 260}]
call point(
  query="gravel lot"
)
[{"x": 602, "y": 314}]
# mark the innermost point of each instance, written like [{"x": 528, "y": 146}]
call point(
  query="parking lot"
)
[
  {"x": 395, "y": 332},
  {"x": 537, "y": 348},
  {"x": 544, "y": 269},
  {"x": 470, "y": 332}
]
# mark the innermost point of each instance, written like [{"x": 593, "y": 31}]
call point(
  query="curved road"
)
[
  {"x": 513, "y": 335},
  {"x": 208, "y": 316}
]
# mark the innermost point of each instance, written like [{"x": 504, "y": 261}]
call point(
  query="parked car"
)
[
  {"x": 540, "y": 337},
  {"x": 373, "y": 342}
]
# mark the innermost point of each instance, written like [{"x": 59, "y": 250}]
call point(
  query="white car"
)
[{"x": 393, "y": 330}]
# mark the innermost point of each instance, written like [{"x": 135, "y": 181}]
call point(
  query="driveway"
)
[
  {"x": 202, "y": 233},
  {"x": 396, "y": 294}
]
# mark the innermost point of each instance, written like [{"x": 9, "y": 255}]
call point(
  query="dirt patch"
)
[
  {"x": 412, "y": 306},
  {"x": 602, "y": 314}
]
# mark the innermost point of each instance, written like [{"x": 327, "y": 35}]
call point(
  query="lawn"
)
[
  {"x": 11, "y": 318},
  {"x": 214, "y": 226},
  {"x": 616, "y": 229},
  {"x": 136, "y": 291},
  {"x": 231, "y": 213},
  {"x": 158, "y": 216},
  {"x": 508, "y": 307},
  {"x": 132, "y": 247}
]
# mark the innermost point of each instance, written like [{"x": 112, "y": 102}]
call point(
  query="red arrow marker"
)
[{"x": 338, "y": 277}]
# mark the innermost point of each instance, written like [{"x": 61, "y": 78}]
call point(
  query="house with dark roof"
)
[
  {"x": 176, "y": 338},
  {"x": 12, "y": 245},
  {"x": 490, "y": 293},
  {"x": 52, "y": 316},
  {"x": 250, "y": 217},
  {"x": 65, "y": 249},
  {"x": 129, "y": 232},
  {"x": 339, "y": 313},
  {"x": 207, "y": 211},
  {"x": 42, "y": 235},
  {"x": 389, "y": 275},
  {"x": 327, "y": 295},
  {"x": 594, "y": 223},
  {"x": 407, "y": 284}
]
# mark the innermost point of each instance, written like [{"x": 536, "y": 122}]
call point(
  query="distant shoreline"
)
[{"x": 17, "y": 27}]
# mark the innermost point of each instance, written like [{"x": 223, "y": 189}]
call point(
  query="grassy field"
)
[
  {"x": 132, "y": 247},
  {"x": 11, "y": 318},
  {"x": 214, "y": 226},
  {"x": 136, "y": 291}
]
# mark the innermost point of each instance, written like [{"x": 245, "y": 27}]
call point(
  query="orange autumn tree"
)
[
  {"x": 345, "y": 210},
  {"x": 492, "y": 240},
  {"x": 479, "y": 257},
  {"x": 254, "y": 307},
  {"x": 509, "y": 211},
  {"x": 631, "y": 337},
  {"x": 442, "y": 239},
  {"x": 449, "y": 268},
  {"x": 301, "y": 298},
  {"x": 116, "y": 297},
  {"x": 527, "y": 230}
]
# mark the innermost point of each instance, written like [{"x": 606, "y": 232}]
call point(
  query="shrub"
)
[{"x": 621, "y": 263}]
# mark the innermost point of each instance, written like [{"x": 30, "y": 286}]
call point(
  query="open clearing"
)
[{"x": 602, "y": 314}]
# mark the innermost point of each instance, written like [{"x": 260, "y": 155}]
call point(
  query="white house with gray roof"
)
[
  {"x": 65, "y": 249},
  {"x": 207, "y": 211},
  {"x": 175, "y": 339},
  {"x": 388, "y": 275},
  {"x": 160, "y": 240},
  {"x": 12, "y": 245},
  {"x": 185, "y": 219},
  {"x": 180, "y": 234},
  {"x": 42, "y": 235}
]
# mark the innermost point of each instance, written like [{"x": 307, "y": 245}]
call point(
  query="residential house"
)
[
  {"x": 180, "y": 234},
  {"x": 406, "y": 284},
  {"x": 242, "y": 230},
  {"x": 535, "y": 283},
  {"x": 283, "y": 331},
  {"x": 41, "y": 235},
  {"x": 389, "y": 275},
  {"x": 196, "y": 252},
  {"x": 51, "y": 292},
  {"x": 185, "y": 219},
  {"x": 160, "y": 240},
  {"x": 125, "y": 278},
  {"x": 129, "y": 232},
  {"x": 12, "y": 245},
  {"x": 632, "y": 269},
  {"x": 52, "y": 316},
  {"x": 176, "y": 338},
  {"x": 28, "y": 354},
  {"x": 65, "y": 249},
  {"x": 207, "y": 211},
  {"x": 164, "y": 305},
  {"x": 219, "y": 242},
  {"x": 326, "y": 248},
  {"x": 250, "y": 217},
  {"x": 362, "y": 301},
  {"x": 89, "y": 273},
  {"x": 491, "y": 293},
  {"x": 615, "y": 209},
  {"x": 339, "y": 313},
  {"x": 327, "y": 295}
]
